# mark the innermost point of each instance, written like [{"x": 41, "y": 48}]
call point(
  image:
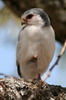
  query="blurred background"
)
[{"x": 10, "y": 26}]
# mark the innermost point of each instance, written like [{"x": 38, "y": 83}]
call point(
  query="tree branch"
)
[
  {"x": 12, "y": 88},
  {"x": 57, "y": 61}
]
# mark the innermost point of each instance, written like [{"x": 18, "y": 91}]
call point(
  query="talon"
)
[{"x": 38, "y": 77}]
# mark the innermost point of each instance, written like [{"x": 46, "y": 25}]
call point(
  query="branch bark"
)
[
  {"x": 12, "y": 88},
  {"x": 56, "y": 62}
]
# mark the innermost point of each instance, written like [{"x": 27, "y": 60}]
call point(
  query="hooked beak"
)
[{"x": 23, "y": 22}]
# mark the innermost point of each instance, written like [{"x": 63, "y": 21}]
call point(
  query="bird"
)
[{"x": 36, "y": 44}]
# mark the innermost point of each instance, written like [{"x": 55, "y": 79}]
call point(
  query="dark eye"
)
[{"x": 29, "y": 16}]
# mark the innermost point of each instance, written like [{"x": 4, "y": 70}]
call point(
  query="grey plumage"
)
[
  {"x": 40, "y": 12},
  {"x": 36, "y": 45}
]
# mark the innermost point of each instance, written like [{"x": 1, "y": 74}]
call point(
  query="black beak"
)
[{"x": 24, "y": 21}]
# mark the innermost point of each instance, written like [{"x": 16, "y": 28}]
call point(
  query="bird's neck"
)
[{"x": 31, "y": 26}]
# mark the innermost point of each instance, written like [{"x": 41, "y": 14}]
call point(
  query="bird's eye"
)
[{"x": 29, "y": 16}]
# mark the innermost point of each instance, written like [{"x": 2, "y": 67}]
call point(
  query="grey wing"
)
[
  {"x": 18, "y": 69},
  {"x": 18, "y": 64},
  {"x": 17, "y": 56}
]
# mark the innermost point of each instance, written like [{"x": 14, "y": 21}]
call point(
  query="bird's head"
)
[{"x": 35, "y": 16}]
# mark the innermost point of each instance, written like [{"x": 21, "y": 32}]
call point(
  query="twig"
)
[
  {"x": 1, "y": 74},
  {"x": 58, "y": 58}
]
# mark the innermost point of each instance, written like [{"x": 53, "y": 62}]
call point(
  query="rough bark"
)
[
  {"x": 12, "y": 88},
  {"x": 56, "y": 10}
]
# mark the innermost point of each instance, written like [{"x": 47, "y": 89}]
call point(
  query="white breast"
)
[{"x": 39, "y": 42}]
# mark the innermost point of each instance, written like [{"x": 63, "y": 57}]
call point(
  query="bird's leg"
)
[
  {"x": 38, "y": 80},
  {"x": 39, "y": 77}
]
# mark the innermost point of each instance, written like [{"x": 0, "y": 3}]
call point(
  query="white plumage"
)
[{"x": 35, "y": 48}]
